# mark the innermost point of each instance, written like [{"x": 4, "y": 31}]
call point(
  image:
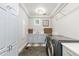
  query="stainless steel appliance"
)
[{"x": 54, "y": 46}]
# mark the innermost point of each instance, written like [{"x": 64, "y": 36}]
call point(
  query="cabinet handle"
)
[{"x": 9, "y": 48}]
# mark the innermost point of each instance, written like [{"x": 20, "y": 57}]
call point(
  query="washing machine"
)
[
  {"x": 49, "y": 47},
  {"x": 53, "y": 47},
  {"x": 54, "y": 44}
]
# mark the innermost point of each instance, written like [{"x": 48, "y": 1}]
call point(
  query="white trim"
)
[
  {"x": 40, "y": 16},
  {"x": 20, "y": 49},
  {"x": 53, "y": 11},
  {"x": 58, "y": 9},
  {"x": 25, "y": 9}
]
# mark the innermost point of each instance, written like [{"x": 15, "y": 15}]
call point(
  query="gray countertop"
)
[{"x": 64, "y": 39}]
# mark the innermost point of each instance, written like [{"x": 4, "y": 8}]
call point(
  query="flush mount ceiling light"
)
[{"x": 40, "y": 11}]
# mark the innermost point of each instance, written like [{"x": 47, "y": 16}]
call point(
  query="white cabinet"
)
[
  {"x": 10, "y": 50},
  {"x": 65, "y": 52},
  {"x": 2, "y": 29},
  {"x": 8, "y": 30},
  {"x": 4, "y": 54},
  {"x": 68, "y": 52},
  {"x": 59, "y": 15},
  {"x": 13, "y": 49},
  {"x": 36, "y": 38},
  {"x": 70, "y": 8},
  {"x": 11, "y": 8}
]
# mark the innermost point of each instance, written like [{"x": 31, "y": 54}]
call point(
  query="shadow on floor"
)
[{"x": 33, "y": 51}]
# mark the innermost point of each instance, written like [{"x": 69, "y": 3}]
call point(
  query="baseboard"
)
[{"x": 22, "y": 48}]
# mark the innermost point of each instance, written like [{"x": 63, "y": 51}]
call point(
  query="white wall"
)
[
  {"x": 38, "y": 28},
  {"x": 67, "y": 25},
  {"x": 23, "y": 24}
]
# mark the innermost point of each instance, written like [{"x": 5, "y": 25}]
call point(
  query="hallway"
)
[{"x": 38, "y": 23}]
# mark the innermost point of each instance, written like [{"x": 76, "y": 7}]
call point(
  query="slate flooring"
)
[{"x": 33, "y": 51}]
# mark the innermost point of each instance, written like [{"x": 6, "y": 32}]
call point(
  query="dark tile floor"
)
[{"x": 33, "y": 51}]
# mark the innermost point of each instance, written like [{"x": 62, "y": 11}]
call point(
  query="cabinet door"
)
[
  {"x": 8, "y": 29},
  {"x": 12, "y": 34},
  {"x": 2, "y": 29},
  {"x": 10, "y": 50},
  {"x": 11, "y": 8},
  {"x": 13, "y": 51},
  {"x": 70, "y": 8},
  {"x": 65, "y": 53},
  {"x": 11, "y": 29},
  {"x": 59, "y": 15},
  {"x": 30, "y": 38},
  {"x": 40, "y": 38},
  {"x": 68, "y": 52},
  {"x": 4, "y": 54}
]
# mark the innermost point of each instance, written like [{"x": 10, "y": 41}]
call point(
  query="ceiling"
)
[{"x": 49, "y": 7}]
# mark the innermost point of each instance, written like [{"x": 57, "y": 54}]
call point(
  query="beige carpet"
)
[{"x": 33, "y": 51}]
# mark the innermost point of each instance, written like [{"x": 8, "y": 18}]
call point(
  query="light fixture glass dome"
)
[{"x": 40, "y": 10}]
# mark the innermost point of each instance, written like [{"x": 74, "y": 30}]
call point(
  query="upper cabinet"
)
[
  {"x": 68, "y": 9},
  {"x": 59, "y": 15},
  {"x": 11, "y": 8}
]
